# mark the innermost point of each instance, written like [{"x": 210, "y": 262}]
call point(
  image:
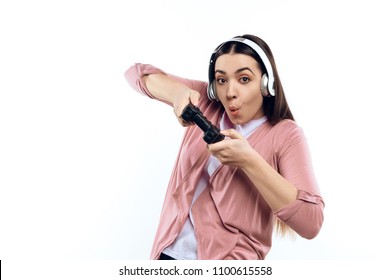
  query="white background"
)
[{"x": 85, "y": 160}]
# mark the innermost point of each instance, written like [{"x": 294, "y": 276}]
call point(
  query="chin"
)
[{"x": 237, "y": 121}]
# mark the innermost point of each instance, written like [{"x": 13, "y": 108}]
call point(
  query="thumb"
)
[{"x": 232, "y": 133}]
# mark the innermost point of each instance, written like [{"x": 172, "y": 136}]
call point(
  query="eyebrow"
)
[{"x": 237, "y": 71}]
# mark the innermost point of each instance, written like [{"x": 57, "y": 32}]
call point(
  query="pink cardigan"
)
[{"x": 232, "y": 220}]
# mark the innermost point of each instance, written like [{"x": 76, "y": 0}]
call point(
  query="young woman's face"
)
[{"x": 237, "y": 82}]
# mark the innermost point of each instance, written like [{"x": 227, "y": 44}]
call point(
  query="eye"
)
[
  {"x": 221, "y": 81},
  {"x": 244, "y": 80}
]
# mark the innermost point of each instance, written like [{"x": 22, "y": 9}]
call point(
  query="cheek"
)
[
  {"x": 255, "y": 104},
  {"x": 254, "y": 97}
]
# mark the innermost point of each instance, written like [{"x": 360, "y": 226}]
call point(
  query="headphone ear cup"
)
[
  {"x": 211, "y": 92},
  {"x": 264, "y": 85}
]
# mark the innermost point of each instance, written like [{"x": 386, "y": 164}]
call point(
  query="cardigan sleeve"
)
[
  {"x": 305, "y": 214},
  {"x": 134, "y": 76}
]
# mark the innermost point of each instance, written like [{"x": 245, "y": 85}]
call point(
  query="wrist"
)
[{"x": 252, "y": 162}]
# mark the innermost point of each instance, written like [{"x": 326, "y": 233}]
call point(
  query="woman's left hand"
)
[{"x": 234, "y": 150}]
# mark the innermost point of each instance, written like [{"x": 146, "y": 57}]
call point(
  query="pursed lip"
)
[{"x": 234, "y": 110}]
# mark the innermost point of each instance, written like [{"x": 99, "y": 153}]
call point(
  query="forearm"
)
[
  {"x": 275, "y": 189},
  {"x": 155, "y": 83},
  {"x": 164, "y": 88},
  {"x": 175, "y": 91}
]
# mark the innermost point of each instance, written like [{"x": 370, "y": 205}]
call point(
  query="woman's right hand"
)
[
  {"x": 180, "y": 101},
  {"x": 173, "y": 92}
]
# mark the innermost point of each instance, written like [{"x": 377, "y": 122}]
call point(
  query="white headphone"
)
[{"x": 267, "y": 80}]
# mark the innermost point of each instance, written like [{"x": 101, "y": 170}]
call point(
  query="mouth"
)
[{"x": 234, "y": 111}]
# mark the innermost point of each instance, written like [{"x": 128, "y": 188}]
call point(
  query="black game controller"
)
[{"x": 211, "y": 132}]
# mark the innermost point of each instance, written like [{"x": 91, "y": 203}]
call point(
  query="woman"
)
[{"x": 224, "y": 199}]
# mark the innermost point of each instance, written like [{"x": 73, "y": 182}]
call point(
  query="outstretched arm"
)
[{"x": 170, "y": 89}]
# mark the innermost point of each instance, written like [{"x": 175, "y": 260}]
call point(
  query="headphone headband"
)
[{"x": 263, "y": 57}]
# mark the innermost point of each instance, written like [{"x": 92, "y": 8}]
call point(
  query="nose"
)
[{"x": 232, "y": 91}]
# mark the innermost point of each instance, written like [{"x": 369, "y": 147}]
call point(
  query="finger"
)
[
  {"x": 184, "y": 123},
  {"x": 178, "y": 110},
  {"x": 194, "y": 97},
  {"x": 217, "y": 147},
  {"x": 232, "y": 133}
]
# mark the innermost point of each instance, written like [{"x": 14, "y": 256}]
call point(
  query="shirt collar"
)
[{"x": 244, "y": 129}]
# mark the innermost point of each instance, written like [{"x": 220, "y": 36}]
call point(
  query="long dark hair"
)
[{"x": 275, "y": 107}]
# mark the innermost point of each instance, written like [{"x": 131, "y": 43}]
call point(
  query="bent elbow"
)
[
  {"x": 305, "y": 216},
  {"x": 313, "y": 226},
  {"x": 311, "y": 233}
]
